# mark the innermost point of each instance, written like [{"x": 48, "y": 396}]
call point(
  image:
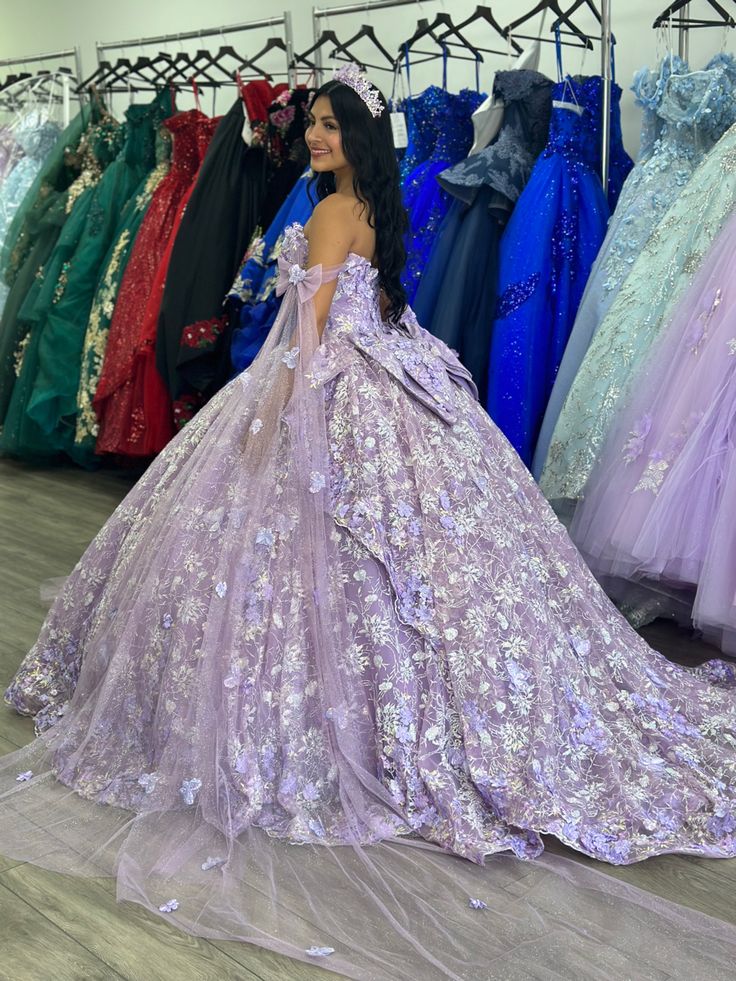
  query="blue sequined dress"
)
[
  {"x": 693, "y": 110},
  {"x": 252, "y": 303},
  {"x": 425, "y": 200},
  {"x": 457, "y": 291},
  {"x": 546, "y": 253}
]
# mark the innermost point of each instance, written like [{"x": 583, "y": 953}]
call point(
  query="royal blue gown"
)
[
  {"x": 252, "y": 303},
  {"x": 547, "y": 250}
]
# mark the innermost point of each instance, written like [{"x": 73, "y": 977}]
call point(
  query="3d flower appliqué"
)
[
  {"x": 221, "y": 589},
  {"x": 256, "y": 426},
  {"x": 189, "y": 790},
  {"x": 297, "y": 274},
  {"x": 319, "y": 951},
  {"x": 477, "y": 904},
  {"x": 22, "y": 777},
  {"x": 317, "y": 482},
  {"x": 148, "y": 781},
  {"x": 169, "y": 906},
  {"x": 291, "y": 358},
  {"x": 211, "y": 863}
]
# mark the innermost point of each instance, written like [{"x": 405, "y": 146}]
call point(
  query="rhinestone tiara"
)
[{"x": 351, "y": 75}]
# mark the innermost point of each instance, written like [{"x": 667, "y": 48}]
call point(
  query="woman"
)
[{"x": 335, "y": 633}]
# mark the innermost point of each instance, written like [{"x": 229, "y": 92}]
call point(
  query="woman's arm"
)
[{"x": 330, "y": 233}]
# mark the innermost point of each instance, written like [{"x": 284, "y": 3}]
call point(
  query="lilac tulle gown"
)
[
  {"x": 657, "y": 516},
  {"x": 334, "y": 655}
]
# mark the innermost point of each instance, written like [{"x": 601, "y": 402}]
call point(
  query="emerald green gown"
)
[
  {"x": 113, "y": 269},
  {"x": 41, "y": 418}
]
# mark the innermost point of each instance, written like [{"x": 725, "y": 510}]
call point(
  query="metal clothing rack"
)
[
  {"x": 283, "y": 21},
  {"x": 685, "y": 22},
  {"x": 67, "y": 53}
]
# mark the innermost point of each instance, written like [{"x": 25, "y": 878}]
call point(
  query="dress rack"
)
[{"x": 286, "y": 43}]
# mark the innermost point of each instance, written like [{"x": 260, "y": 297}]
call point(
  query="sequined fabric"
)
[
  {"x": 424, "y": 199},
  {"x": 542, "y": 277},
  {"x": 643, "y": 305},
  {"x": 112, "y": 399}
]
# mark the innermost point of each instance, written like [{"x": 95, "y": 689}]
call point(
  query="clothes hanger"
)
[
  {"x": 562, "y": 18},
  {"x": 324, "y": 38},
  {"x": 425, "y": 29},
  {"x": 726, "y": 20},
  {"x": 204, "y": 60},
  {"x": 367, "y": 31},
  {"x": 485, "y": 14}
]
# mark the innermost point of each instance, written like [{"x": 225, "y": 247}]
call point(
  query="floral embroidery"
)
[
  {"x": 291, "y": 357},
  {"x": 203, "y": 333},
  {"x": 477, "y": 904},
  {"x": 25, "y": 776},
  {"x": 169, "y": 906}
]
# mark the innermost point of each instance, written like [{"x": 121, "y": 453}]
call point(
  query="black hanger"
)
[
  {"x": 367, "y": 31},
  {"x": 726, "y": 20},
  {"x": 562, "y": 18},
  {"x": 485, "y": 14},
  {"x": 12, "y": 79},
  {"x": 576, "y": 6},
  {"x": 326, "y": 37},
  {"x": 425, "y": 29}
]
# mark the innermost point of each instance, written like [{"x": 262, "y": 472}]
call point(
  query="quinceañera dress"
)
[{"x": 334, "y": 655}]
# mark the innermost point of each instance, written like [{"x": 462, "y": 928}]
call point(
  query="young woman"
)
[{"x": 334, "y": 652}]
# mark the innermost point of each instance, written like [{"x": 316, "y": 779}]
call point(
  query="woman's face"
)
[{"x": 323, "y": 138}]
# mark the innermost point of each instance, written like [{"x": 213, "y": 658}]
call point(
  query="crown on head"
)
[{"x": 351, "y": 75}]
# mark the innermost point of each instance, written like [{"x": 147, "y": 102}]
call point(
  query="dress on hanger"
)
[
  {"x": 252, "y": 304},
  {"x": 113, "y": 397},
  {"x": 658, "y": 507},
  {"x": 425, "y": 200},
  {"x": 137, "y": 419},
  {"x": 36, "y": 135},
  {"x": 66, "y": 220},
  {"x": 104, "y": 303},
  {"x": 542, "y": 276},
  {"x": 192, "y": 349},
  {"x": 334, "y": 633},
  {"x": 457, "y": 290},
  {"x": 695, "y": 109},
  {"x": 29, "y": 240},
  {"x": 286, "y": 150},
  {"x": 52, "y": 404},
  {"x": 643, "y": 305}
]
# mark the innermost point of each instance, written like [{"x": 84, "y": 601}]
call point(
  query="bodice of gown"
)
[
  {"x": 572, "y": 134},
  {"x": 648, "y": 86},
  {"x": 421, "y": 121},
  {"x": 505, "y": 164},
  {"x": 100, "y": 144},
  {"x": 455, "y": 128},
  {"x": 423, "y": 364},
  {"x": 185, "y": 130}
]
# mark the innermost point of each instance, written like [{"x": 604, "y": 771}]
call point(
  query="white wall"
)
[{"x": 30, "y": 26}]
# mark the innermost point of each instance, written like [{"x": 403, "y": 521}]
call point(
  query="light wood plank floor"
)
[{"x": 52, "y": 926}]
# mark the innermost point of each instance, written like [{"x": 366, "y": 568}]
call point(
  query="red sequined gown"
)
[{"x": 132, "y": 424}]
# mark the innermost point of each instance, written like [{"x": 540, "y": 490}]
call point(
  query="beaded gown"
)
[
  {"x": 693, "y": 109},
  {"x": 335, "y": 633},
  {"x": 118, "y": 421},
  {"x": 542, "y": 277},
  {"x": 138, "y": 419},
  {"x": 425, "y": 200},
  {"x": 656, "y": 520}
]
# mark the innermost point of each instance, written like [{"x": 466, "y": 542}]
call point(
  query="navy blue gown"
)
[{"x": 457, "y": 290}]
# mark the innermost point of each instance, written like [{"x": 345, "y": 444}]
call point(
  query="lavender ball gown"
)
[
  {"x": 656, "y": 517},
  {"x": 334, "y": 653}
]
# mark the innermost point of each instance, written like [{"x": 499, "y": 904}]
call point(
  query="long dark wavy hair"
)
[{"x": 368, "y": 145}]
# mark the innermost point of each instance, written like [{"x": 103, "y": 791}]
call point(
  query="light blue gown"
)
[{"x": 692, "y": 111}]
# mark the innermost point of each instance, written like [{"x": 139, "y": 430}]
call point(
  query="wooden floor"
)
[{"x": 60, "y": 928}]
